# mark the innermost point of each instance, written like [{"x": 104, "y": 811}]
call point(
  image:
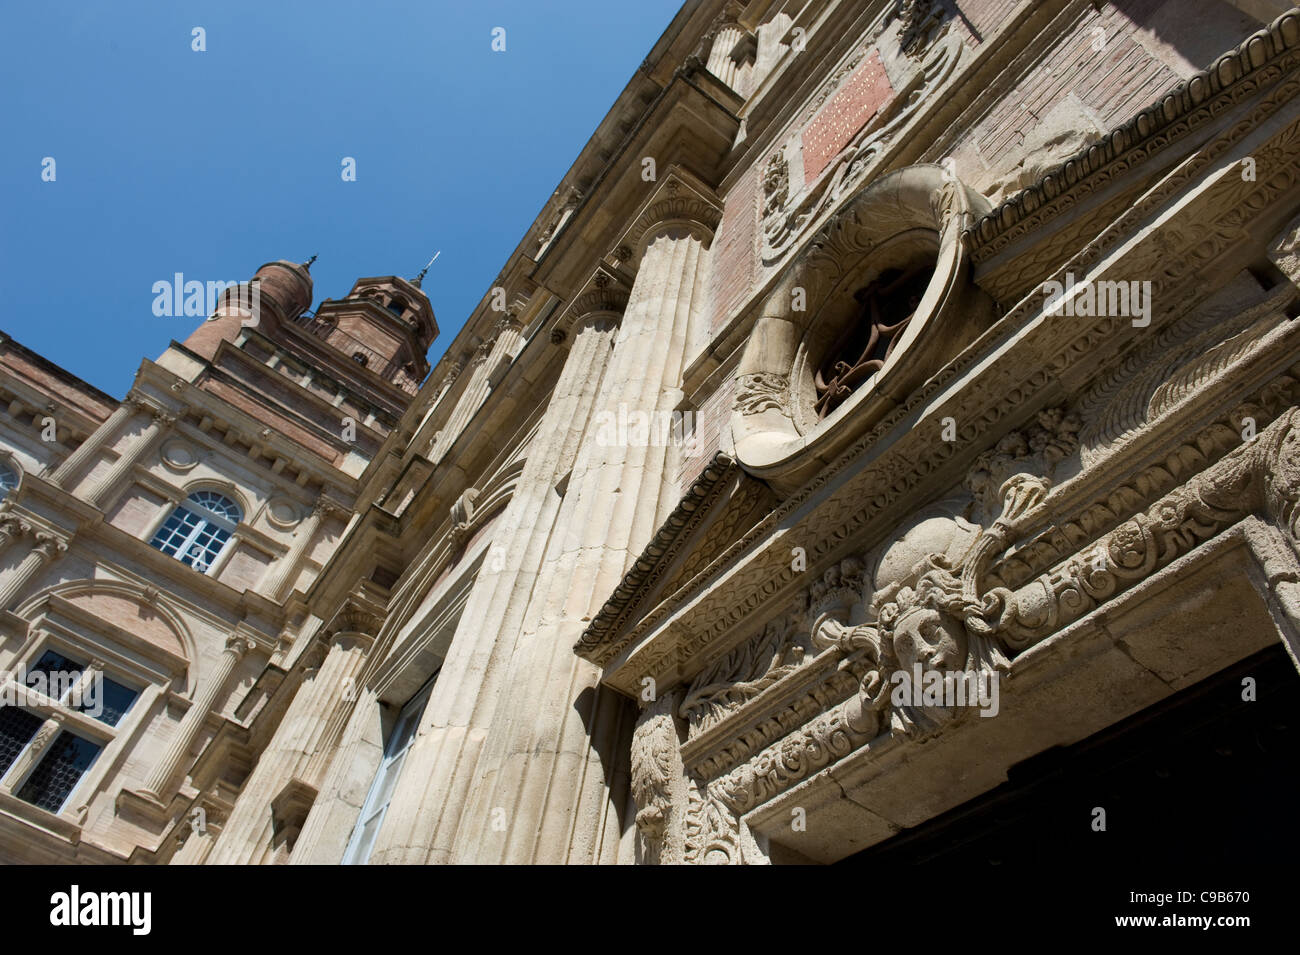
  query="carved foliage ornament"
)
[{"x": 654, "y": 742}]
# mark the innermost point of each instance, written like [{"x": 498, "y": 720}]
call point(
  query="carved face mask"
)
[{"x": 930, "y": 637}]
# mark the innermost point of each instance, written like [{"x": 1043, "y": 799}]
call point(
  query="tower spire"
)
[
  {"x": 420, "y": 278},
  {"x": 307, "y": 265}
]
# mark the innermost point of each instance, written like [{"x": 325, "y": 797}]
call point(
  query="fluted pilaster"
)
[
  {"x": 74, "y": 462},
  {"x": 99, "y": 492},
  {"x": 720, "y": 62},
  {"x": 164, "y": 771},
  {"x": 425, "y": 812},
  {"x": 551, "y": 785},
  {"x": 308, "y": 730},
  {"x": 286, "y": 568},
  {"x": 47, "y": 547},
  {"x": 484, "y": 363}
]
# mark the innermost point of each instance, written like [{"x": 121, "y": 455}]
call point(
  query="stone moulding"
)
[
  {"x": 1075, "y": 525},
  {"x": 653, "y": 561},
  {"x": 1186, "y": 107},
  {"x": 785, "y": 222}
]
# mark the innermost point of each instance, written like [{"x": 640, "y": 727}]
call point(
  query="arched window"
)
[
  {"x": 8, "y": 480},
  {"x": 197, "y": 530}
]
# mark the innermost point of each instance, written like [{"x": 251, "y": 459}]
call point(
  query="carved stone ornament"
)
[
  {"x": 917, "y": 20},
  {"x": 654, "y": 745},
  {"x": 786, "y": 220},
  {"x": 744, "y": 673},
  {"x": 462, "y": 516},
  {"x": 762, "y": 392}
]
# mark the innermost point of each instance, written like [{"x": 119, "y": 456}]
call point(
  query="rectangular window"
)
[
  {"x": 115, "y": 700},
  {"x": 59, "y": 771},
  {"x": 17, "y": 727},
  {"x": 58, "y": 758},
  {"x": 54, "y": 675},
  {"x": 176, "y": 530},
  {"x": 390, "y": 768}
]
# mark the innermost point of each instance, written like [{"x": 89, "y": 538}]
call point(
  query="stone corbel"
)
[{"x": 462, "y": 517}]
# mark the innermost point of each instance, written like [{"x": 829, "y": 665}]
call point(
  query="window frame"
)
[
  {"x": 11, "y": 469},
  {"x": 70, "y": 719},
  {"x": 410, "y": 715},
  {"x": 205, "y": 518}
]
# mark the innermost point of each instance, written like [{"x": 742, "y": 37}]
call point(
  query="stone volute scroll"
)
[{"x": 879, "y": 300}]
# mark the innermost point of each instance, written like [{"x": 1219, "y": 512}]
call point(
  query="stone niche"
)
[{"x": 880, "y": 298}]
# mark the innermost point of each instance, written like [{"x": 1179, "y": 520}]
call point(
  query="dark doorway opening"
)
[{"x": 1203, "y": 781}]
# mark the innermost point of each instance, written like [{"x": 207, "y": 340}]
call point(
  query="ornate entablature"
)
[{"x": 945, "y": 577}]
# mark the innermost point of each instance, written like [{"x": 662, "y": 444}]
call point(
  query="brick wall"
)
[
  {"x": 734, "y": 250},
  {"x": 713, "y": 416},
  {"x": 860, "y": 96}
]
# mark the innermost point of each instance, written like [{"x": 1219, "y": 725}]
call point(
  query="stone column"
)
[
  {"x": 770, "y": 49},
  {"x": 484, "y": 363},
  {"x": 46, "y": 548},
  {"x": 425, "y": 811},
  {"x": 99, "y": 492},
  {"x": 297, "y": 750},
  {"x": 344, "y": 789},
  {"x": 286, "y": 568},
  {"x": 73, "y": 463},
  {"x": 547, "y": 785},
  {"x": 720, "y": 63},
  {"x": 159, "y": 782}
]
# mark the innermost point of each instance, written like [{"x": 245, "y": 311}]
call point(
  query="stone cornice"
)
[{"x": 647, "y": 569}]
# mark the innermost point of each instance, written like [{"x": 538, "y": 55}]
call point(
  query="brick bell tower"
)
[{"x": 360, "y": 358}]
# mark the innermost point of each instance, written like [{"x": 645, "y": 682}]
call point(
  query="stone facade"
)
[{"x": 868, "y": 349}]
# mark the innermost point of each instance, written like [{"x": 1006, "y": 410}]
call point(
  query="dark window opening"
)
[{"x": 887, "y": 306}]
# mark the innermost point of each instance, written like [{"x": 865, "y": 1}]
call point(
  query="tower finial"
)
[
  {"x": 307, "y": 265},
  {"x": 420, "y": 278}
]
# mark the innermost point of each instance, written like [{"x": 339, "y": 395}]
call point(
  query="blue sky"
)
[{"x": 170, "y": 160}]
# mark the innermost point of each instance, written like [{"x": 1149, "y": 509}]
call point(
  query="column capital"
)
[
  {"x": 48, "y": 545},
  {"x": 239, "y": 644},
  {"x": 13, "y": 527},
  {"x": 604, "y": 296},
  {"x": 353, "y": 620},
  {"x": 326, "y": 507},
  {"x": 679, "y": 199}
]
